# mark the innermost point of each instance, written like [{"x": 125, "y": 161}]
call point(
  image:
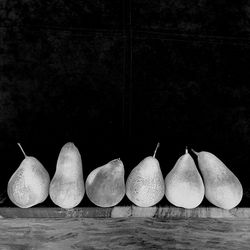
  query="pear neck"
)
[{"x": 69, "y": 170}]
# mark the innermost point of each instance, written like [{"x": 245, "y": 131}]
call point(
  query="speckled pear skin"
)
[
  {"x": 222, "y": 188},
  {"x": 67, "y": 186},
  {"x": 145, "y": 185},
  {"x": 184, "y": 185},
  {"x": 29, "y": 184},
  {"x": 105, "y": 185}
]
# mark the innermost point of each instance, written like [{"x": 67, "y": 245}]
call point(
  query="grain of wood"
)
[{"x": 124, "y": 233}]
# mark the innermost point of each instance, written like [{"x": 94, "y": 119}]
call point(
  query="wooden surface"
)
[{"x": 200, "y": 228}]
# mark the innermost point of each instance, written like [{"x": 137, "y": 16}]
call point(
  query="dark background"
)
[{"x": 115, "y": 77}]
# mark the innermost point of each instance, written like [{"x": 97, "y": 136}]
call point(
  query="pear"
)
[
  {"x": 184, "y": 185},
  {"x": 105, "y": 185},
  {"x": 29, "y": 184},
  {"x": 145, "y": 184},
  {"x": 67, "y": 186},
  {"x": 222, "y": 188}
]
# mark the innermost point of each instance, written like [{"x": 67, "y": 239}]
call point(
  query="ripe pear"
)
[
  {"x": 67, "y": 186},
  {"x": 222, "y": 187},
  {"x": 29, "y": 184},
  {"x": 145, "y": 184},
  {"x": 105, "y": 185},
  {"x": 184, "y": 185}
]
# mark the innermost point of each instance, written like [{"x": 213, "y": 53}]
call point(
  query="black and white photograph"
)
[{"x": 124, "y": 124}]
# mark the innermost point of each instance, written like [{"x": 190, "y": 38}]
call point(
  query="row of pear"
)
[{"x": 184, "y": 186}]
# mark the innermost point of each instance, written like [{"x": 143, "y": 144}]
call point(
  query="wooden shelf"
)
[
  {"x": 128, "y": 227},
  {"x": 123, "y": 212}
]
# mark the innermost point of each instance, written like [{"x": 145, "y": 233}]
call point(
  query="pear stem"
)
[
  {"x": 21, "y": 149},
  {"x": 186, "y": 150},
  {"x": 195, "y": 152},
  {"x": 157, "y": 146}
]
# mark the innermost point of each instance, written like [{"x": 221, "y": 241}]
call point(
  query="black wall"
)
[{"x": 116, "y": 77}]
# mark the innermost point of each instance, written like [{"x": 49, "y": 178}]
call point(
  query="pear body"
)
[
  {"x": 145, "y": 184},
  {"x": 29, "y": 184},
  {"x": 184, "y": 185},
  {"x": 67, "y": 186},
  {"x": 105, "y": 185},
  {"x": 222, "y": 187}
]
